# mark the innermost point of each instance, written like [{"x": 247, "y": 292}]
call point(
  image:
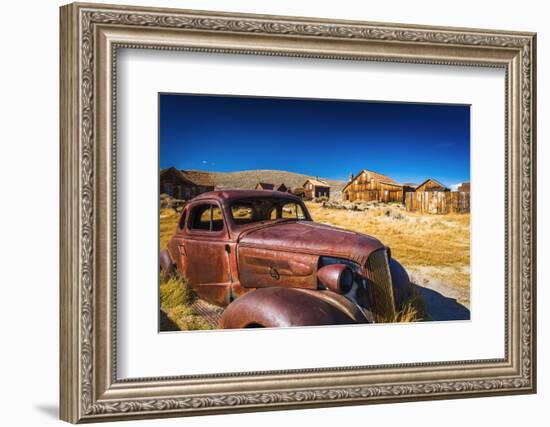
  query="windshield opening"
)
[{"x": 246, "y": 211}]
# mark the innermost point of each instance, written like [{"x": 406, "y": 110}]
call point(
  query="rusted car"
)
[{"x": 260, "y": 254}]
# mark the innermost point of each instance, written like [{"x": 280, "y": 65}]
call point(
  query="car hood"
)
[{"x": 313, "y": 238}]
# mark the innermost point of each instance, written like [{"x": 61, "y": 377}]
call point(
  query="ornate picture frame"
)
[{"x": 90, "y": 37}]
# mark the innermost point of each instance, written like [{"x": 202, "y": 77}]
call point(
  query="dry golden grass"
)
[
  {"x": 413, "y": 238},
  {"x": 412, "y": 310},
  {"x": 168, "y": 224},
  {"x": 176, "y": 299}
]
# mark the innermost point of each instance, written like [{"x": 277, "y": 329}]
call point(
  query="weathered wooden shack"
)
[
  {"x": 315, "y": 188},
  {"x": 437, "y": 202},
  {"x": 299, "y": 191},
  {"x": 409, "y": 186},
  {"x": 283, "y": 188},
  {"x": 372, "y": 186},
  {"x": 433, "y": 197},
  {"x": 264, "y": 186},
  {"x": 464, "y": 187},
  {"x": 267, "y": 186},
  {"x": 431, "y": 185},
  {"x": 184, "y": 184}
]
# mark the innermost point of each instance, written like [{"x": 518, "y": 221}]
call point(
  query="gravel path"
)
[{"x": 209, "y": 312}]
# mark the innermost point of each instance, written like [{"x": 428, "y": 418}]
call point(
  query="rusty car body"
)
[{"x": 260, "y": 254}]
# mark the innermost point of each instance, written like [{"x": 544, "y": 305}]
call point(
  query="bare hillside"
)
[{"x": 249, "y": 179}]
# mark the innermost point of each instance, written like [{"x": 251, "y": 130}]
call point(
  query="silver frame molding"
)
[{"x": 90, "y": 37}]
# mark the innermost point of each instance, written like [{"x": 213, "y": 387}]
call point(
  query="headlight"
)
[{"x": 336, "y": 277}]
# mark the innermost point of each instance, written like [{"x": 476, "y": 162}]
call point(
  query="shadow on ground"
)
[
  {"x": 166, "y": 325},
  {"x": 50, "y": 410},
  {"x": 440, "y": 307}
]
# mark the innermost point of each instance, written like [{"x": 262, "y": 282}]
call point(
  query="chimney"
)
[{"x": 351, "y": 177}]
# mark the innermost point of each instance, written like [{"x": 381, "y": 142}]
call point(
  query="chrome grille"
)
[{"x": 380, "y": 286}]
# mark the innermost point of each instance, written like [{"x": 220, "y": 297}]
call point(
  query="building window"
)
[{"x": 168, "y": 188}]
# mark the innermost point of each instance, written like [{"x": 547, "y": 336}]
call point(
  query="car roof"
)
[{"x": 229, "y": 195}]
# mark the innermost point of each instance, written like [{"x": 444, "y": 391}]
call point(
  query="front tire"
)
[{"x": 402, "y": 288}]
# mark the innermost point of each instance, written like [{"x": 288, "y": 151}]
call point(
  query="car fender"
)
[{"x": 285, "y": 307}]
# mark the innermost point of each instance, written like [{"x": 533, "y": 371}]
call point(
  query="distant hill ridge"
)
[{"x": 248, "y": 179}]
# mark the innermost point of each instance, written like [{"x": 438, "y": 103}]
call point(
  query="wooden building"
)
[
  {"x": 315, "y": 188},
  {"x": 434, "y": 198},
  {"x": 299, "y": 191},
  {"x": 464, "y": 187},
  {"x": 438, "y": 202},
  {"x": 183, "y": 184},
  {"x": 267, "y": 186},
  {"x": 431, "y": 185},
  {"x": 264, "y": 186},
  {"x": 283, "y": 188},
  {"x": 372, "y": 186},
  {"x": 409, "y": 186}
]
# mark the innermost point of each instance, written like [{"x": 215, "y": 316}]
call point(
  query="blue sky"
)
[{"x": 328, "y": 138}]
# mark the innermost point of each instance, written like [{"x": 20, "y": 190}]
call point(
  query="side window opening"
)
[
  {"x": 293, "y": 210},
  {"x": 288, "y": 211},
  {"x": 206, "y": 217}
]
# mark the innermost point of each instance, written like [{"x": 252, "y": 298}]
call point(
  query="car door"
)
[{"x": 205, "y": 248}]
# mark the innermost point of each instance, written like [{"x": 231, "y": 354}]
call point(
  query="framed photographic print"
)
[
  {"x": 264, "y": 212},
  {"x": 316, "y": 245}
]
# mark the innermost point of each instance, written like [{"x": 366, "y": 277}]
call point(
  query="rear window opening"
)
[{"x": 246, "y": 211}]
